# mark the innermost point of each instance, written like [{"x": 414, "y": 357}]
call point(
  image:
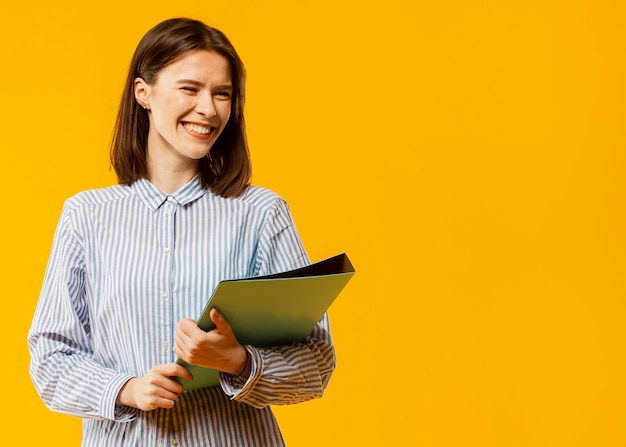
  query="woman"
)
[{"x": 130, "y": 264}]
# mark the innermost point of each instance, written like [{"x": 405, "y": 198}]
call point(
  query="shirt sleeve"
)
[
  {"x": 63, "y": 368},
  {"x": 291, "y": 373}
]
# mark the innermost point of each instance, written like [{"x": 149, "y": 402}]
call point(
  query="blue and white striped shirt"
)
[{"x": 127, "y": 263}]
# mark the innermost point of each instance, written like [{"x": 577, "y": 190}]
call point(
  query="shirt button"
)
[
  {"x": 166, "y": 251},
  {"x": 165, "y": 294},
  {"x": 165, "y": 345},
  {"x": 174, "y": 441}
]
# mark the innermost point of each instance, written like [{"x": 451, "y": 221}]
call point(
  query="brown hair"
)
[{"x": 226, "y": 170}]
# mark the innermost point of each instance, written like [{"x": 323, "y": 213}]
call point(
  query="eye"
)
[
  {"x": 189, "y": 89},
  {"x": 223, "y": 95}
]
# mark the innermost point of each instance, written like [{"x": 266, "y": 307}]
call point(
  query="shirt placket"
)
[{"x": 167, "y": 236}]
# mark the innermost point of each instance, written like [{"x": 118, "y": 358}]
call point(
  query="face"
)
[{"x": 188, "y": 106}]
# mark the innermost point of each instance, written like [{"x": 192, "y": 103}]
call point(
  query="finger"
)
[
  {"x": 182, "y": 372},
  {"x": 186, "y": 326},
  {"x": 184, "y": 335},
  {"x": 219, "y": 321},
  {"x": 181, "y": 341},
  {"x": 164, "y": 402},
  {"x": 182, "y": 352},
  {"x": 168, "y": 370},
  {"x": 171, "y": 394},
  {"x": 170, "y": 388}
]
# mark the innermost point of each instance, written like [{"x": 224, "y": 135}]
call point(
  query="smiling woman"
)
[{"x": 132, "y": 263}]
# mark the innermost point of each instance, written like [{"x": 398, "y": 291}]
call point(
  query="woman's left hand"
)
[{"x": 217, "y": 348}]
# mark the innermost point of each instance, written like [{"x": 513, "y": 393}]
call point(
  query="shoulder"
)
[
  {"x": 262, "y": 198},
  {"x": 270, "y": 205},
  {"x": 95, "y": 197},
  {"x": 78, "y": 210}
]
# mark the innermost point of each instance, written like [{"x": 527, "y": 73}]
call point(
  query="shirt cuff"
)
[
  {"x": 111, "y": 410},
  {"x": 237, "y": 387}
]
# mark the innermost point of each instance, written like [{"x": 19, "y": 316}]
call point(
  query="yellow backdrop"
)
[{"x": 469, "y": 156}]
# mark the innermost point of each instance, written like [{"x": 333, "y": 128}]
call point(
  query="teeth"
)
[{"x": 197, "y": 129}]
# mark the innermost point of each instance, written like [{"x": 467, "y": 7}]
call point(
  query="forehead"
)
[{"x": 207, "y": 67}]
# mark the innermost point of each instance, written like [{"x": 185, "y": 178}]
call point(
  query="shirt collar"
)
[{"x": 153, "y": 197}]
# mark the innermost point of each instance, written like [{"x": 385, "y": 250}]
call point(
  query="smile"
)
[{"x": 197, "y": 129}]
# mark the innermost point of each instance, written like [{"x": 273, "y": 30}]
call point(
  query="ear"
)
[{"x": 142, "y": 93}]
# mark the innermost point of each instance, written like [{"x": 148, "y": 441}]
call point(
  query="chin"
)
[{"x": 197, "y": 155}]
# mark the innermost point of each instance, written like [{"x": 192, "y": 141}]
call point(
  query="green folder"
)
[{"x": 272, "y": 310}]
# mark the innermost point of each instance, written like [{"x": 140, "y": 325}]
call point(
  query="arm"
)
[
  {"x": 291, "y": 373},
  {"x": 286, "y": 374},
  {"x": 63, "y": 367}
]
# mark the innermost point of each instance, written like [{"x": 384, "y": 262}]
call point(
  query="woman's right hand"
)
[{"x": 154, "y": 390}]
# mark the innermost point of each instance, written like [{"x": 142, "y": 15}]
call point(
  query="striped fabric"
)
[{"x": 127, "y": 263}]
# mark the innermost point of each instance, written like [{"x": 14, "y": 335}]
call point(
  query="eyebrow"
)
[{"x": 200, "y": 84}]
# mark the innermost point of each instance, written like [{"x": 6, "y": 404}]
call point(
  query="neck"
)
[
  {"x": 168, "y": 183},
  {"x": 170, "y": 177}
]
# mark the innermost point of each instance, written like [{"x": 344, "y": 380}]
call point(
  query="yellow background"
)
[{"x": 469, "y": 156}]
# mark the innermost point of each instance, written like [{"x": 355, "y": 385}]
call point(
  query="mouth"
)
[{"x": 197, "y": 129}]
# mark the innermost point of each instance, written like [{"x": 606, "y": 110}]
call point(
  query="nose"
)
[{"x": 205, "y": 105}]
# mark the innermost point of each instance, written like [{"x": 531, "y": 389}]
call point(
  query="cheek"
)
[
  {"x": 225, "y": 112},
  {"x": 160, "y": 120},
  {"x": 168, "y": 112},
  {"x": 173, "y": 105}
]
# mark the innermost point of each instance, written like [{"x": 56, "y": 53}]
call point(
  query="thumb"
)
[{"x": 219, "y": 321}]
